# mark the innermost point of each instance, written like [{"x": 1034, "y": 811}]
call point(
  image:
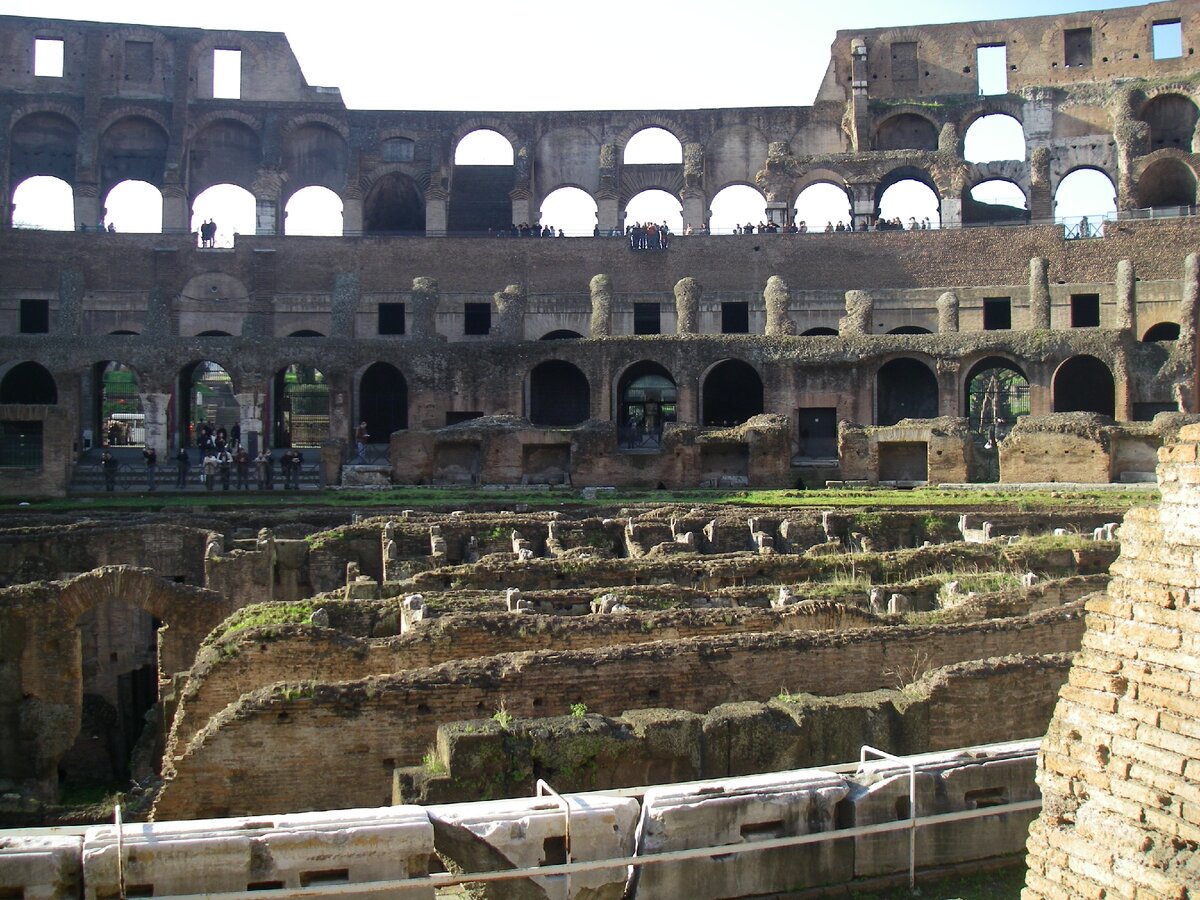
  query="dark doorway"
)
[
  {"x": 300, "y": 407},
  {"x": 383, "y": 401},
  {"x": 28, "y": 383},
  {"x": 733, "y": 393},
  {"x": 1084, "y": 384},
  {"x": 394, "y": 206},
  {"x": 117, "y": 413},
  {"x": 559, "y": 395},
  {"x": 905, "y": 389},
  {"x": 648, "y": 400},
  {"x": 1163, "y": 331},
  {"x": 817, "y": 438},
  {"x": 997, "y": 393},
  {"x": 205, "y": 402}
]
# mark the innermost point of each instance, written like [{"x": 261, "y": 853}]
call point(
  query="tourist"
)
[
  {"x": 829, "y": 227},
  {"x": 108, "y": 465},
  {"x": 209, "y": 469},
  {"x": 262, "y": 470},
  {"x": 241, "y": 460},
  {"x": 151, "y": 457},
  {"x": 361, "y": 436},
  {"x": 225, "y": 464},
  {"x": 235, "y": 436},
  {"x": 297, "y": 467},
  {"x": 182, "y": 464}
]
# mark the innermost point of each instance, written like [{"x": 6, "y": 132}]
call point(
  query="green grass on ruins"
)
[{"x": 560, "y": 498}]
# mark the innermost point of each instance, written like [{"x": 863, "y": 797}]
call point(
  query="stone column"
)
[
  {"x": 510, "y": 313},
  {"x": 1039, "y": 294},
  {"x": 951, "y": 211},
  {"x": 1126, "y": 295},
  {"x": 266, "y": 216},
  {"x": 862, "y": 207},
  {"x": 176, "y": 216},
  {"x": 688, "y": 292},
  {"x": 694, "y": 208},
  {"x": 250, "y": 415},
  {"x": 154, "y": 406},
  {"x": 522, "y": 209},
  {"x": 602, "y": 297},
  {"x": 1186, "y": 347},
  {"x": 425, "y": 296},
  {"x": 87, "y": 206},
  {"x": 352, "y": 215},
  {"x": 777, "y": 298},
  {"x": 608, "y": 212},
  {"x": 860, "y": 310},
  {"x": 947, "y": 308},
  {"x": 347, "y": 290},
  {"x": 436, "y": 215}
]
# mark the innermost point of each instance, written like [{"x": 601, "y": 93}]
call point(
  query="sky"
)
[{"x": 556, "y": 54}]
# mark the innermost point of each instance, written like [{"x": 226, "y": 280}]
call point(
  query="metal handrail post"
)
[
  {"x": 542, "y": 790},
  {"x": 912, "y": 804}
]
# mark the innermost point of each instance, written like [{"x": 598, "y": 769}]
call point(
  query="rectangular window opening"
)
[
  {"x": 1168, "y": 39},
  {"x": 991, "y": 67},
  {"x": 1077, "y": 47},
  {"x": 35, "y": 317},
  {"x": 904, "y": 61},
  {"x": 817, "y": 438},
  {"x": 139, "y": 61},
  {"x": 1085, "y": 310},
  {"x": 735, "y": 318},
  {"x": 647, "y": 318},
  {"x": 997, "y": 313},
  {"x": 48, "y": 57},
  {"x": 325, "y": 876},
  {"x": 398, "y": 150},
  {"x": 227, "y": 74},
  {"x": 391, "y": 318},
  {"x": 477, "y": 318}
]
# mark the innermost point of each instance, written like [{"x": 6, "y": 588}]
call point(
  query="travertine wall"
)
[
  {"x": 1120, "y": 766},
  {"x": 372, "y": 725}
]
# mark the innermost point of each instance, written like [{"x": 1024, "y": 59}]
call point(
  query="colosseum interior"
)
[{"x": 648, "y": 521}]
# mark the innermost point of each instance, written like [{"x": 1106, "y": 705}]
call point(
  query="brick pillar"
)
[
  {"x": 1039, "y": 294},
  {"x": 154, "y": 406}
]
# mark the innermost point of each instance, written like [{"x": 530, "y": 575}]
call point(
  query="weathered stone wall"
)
[
  {"x": 1120, "y": 765},
  {"x": 373, "y": 724},
  {"x": 59, "y": 551}
]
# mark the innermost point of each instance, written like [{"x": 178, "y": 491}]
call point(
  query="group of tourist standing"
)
[{"x": 235, "y": 467}]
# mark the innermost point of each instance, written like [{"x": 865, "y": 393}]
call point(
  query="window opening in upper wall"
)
[
  {"x": 991, "y": 64},
  {"x": 398, "y": 150},
  {"x": 1077, "y": 47},
  {"x": 48, "y": 57},
  {"x": 1168, "y": 39},
  {"x": 227, "y": 74},
  {"x": 139, "y": 61},
  {"x": 904, "y": 61}
]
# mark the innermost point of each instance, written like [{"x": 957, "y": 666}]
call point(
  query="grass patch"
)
[{"x": 279, "y": 613}]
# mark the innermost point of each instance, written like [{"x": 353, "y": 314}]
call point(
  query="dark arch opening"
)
[
  {"x": 394, "y": 205},
  {"x": 117, "y": 413},
  {"x": 562, "y": 334},
  {"x": 1084, "y": 384},
  {"x": 205, "y": 405},
  {"x": 29, "y": 383},
  {"x": 214, "y": 334},
  {"x": 559, "y": 394},
  {"x": 1172, "y": 121},
  {"x": 906, "y": 131},
  {"x": 905, "y": 389},
  {"x": 306, "y": 333},
  {"x": 132, "y": 149},
  {"x": 300, "y": 407},
  {"x": 819, "y": 332},
  {"x": 224, "y": 152},
  {"x": 383, "y": 401},
  {"x": 1167, "y": 182},
  {"x": 910, "y": 329},
  {"x": 1163, "y": 331},
  {"x": 733, "y": 393},
  {"x": 997, "y": 392},
  {"x": 647, "y": 401},
  {"x": 43, "y": 143},
  {"x": 123, "y": 332}
]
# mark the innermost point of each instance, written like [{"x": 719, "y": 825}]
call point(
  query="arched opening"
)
[
  {"x": 315, "y": 155},
  {"x": 997, "y": 393},
  {"x": 655, "y": 206},
  {"x": 205, "y": 406},
  {"x": 134, "y": 207},
  {"x": 299, "y": 407},
  {"x": 214, "y": 333},
  {"x": 28, "y": 383},
  {"x": 1166, "y": 183},
  {"x": 117, "y": 413},
  {"x": 559, "y": 395},
  {"x": 229, "y": 207},
  {"x": 995, "y": 201},
  {"x": 394, "y": 205},
  {"x": 1163, "y": 331},
  {"x": 1172, "y": 121},
  {"x": 905, "y": 389},
  {"x": 306, "y": 333},
  {"x": 734, "y": 207},
  {"x": 906, "y": 199},
  {"x": 733, "y": 393},
  {"x": 907, "y": 131},
  {"x": 1085, "y": 194},
  {"x": 1084, "y": 384},
  {"x": 43, "y": 143},
  {"x": 820, "y": 331},
  {"x": 383, "y": 401},
  {"x": 570, "y": 210},
  {"x": 480, "y": 185},
  {"x": 819, "y": 205},
  {"x": 646, "y": 402},
  {"x": 910, "y": 329},
  {"x": 993, "y": 137},
  {"x": 561, "y": 334},
  {"x": 133, "y": 150},
  {"x": 313, "y": 210},
  {"x": 653, "y": 146},
  {"x": 45, "y": 203}
]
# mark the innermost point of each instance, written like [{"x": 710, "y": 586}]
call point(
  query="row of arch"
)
[{"x": 559, "y": 394}]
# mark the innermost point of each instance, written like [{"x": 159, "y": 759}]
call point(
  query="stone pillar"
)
[
  {"x": 1126, "y": 295},
  {"x": 266, "y": 216},
  {"x": 510, "y": 313},
  {"x": 608, "y": 212},
  {"x": 352, "y": 216},
  {"x": 347, "y": 290},
  {"x": 341, "y": 423},
  {"x": 250, "y": 415},
  {"x": 1039, "y": 294},
  {"x": 1186, "y": 347},
  {"x": 602, "y": 297},
  {"x": 176, "y": 216},
  {"x": 154, "y": 406},
  {"x": 951, "y": 211},
  {"x": 695, "y": 212},
  {"x": 522, "y": 209},
  {"x": 777, "y": 298},
  {"x": 436, "y": 214},
  {"x": 862, "y": 207},
  {"x": 87, "y": 206},
  {"x": 947, "y": 308},
  {"x": 860, "y": 310},
  {"x": 425, "y": 296},
  {"x": 688, "y": 292},
  {"x": 1041, "y": 201}
]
